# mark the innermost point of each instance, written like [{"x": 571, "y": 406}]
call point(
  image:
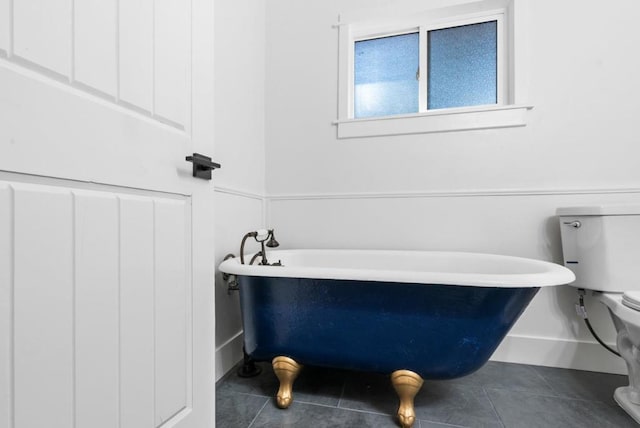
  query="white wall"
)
[
  {"x": 493, "y": 190},
  {"x": 239, "y": 147}
]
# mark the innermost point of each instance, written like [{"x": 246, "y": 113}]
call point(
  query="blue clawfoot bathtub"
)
[{"x": 416, "y": 315}]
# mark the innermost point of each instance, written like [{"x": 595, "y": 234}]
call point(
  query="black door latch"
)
[{"x": 202, "y": 165}]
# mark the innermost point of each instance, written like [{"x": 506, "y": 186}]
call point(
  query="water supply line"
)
[
  {"x": 266, "y": 238},
  {"x": 582, "y": 312}
]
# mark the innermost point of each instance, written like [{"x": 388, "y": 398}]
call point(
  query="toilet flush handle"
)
[{"x": 575, "y": 224}]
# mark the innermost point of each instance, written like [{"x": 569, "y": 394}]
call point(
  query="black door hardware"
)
[{"x": 202, "y": 165}]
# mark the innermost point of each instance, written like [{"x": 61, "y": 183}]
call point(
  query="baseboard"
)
[
  {"x": 568, "y": 354},
  {"x": 537, "y": 351},
  {"x": 228, "y": 355}
]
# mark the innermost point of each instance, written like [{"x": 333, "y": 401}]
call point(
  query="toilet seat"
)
[{"x": 631, "y": 299}]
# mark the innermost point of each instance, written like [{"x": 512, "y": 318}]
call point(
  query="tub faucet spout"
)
[{"x": 265, "y": 238}]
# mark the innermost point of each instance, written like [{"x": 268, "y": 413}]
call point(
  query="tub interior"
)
[{"x": 408, "y": 261}]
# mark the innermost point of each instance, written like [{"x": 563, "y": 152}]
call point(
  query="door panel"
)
[
  {"x": 49, "y": 48},
  {"x": 172, "y": 65},
  {"x": 171, "y": 300},
  {"x": 137, "y": 329},
  {"x": 101, "y": 292},
  {"x": 5, "y": 8},
  {"x": 136, "y": 53},
  {"x": 43, "y": 310},
  {"x": 6, "y": 305},
  {"x": 94, "y": 47},
  {"x": 96, "y": 272}
]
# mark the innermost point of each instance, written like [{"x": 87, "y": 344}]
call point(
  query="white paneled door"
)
[{"x": 106, "y": 239}]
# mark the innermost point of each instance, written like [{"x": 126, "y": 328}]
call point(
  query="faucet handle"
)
[{"x": 262, "y": 234}]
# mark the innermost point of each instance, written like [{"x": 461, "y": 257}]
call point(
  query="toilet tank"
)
[{"x": 601, "y": 245}]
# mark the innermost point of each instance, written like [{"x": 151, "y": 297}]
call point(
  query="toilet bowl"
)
[
  {"x": 625, "y": 312},
  {"x": 601, "y": 245}
]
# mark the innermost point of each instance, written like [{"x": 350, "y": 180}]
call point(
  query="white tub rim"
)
[{"x": 522, "y": 272}]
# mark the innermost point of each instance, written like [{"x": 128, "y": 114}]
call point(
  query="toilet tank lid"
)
[{"x": 613, "y": 209}]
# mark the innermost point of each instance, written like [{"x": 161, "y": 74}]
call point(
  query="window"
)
[
  {"x": 462, "y": 65},
  {"x": 442, "y": 70},
  {"x": 385, "y": 75}
]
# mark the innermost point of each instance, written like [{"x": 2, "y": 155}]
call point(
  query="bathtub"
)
[{"x": 425, "y": 315}]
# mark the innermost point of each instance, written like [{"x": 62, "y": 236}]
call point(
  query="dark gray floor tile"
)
[
  {"x": 235, "y": 410},
  {"x": 319, "y": 386},
  {"x": 314, "y": 384},
  {"x": 522, "y": 396},
  {"x": 522, "y": 410},
  {"x": 582, "y": 384},
  {"x": 427, "y": 424},
  {"x": 302, "y": 415},
  {"x": 452, "y": 403},
  {"x": 265, "y": 384},
  {"x": 508, "y": 376},
  {"x": 438, "y": 401},
  {"x": 370, "y": 392}
]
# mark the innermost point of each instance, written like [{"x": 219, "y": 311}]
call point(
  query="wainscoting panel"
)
[{"x": 519, "y": 223}]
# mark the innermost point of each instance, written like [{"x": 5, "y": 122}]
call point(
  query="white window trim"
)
[{"x": 511, "y": 109}]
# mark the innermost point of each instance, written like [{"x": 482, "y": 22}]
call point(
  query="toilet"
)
[{"x": 601, "y": 245}]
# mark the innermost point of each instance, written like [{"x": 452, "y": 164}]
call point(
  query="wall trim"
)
[
  {"x": 228, "y": 354},
  {"x": 562, "y": 353},
  {"x": 236, "y": 192},
  {"x": 450, "y": 194}
]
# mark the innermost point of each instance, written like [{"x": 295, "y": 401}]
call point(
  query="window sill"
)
[{"x": 446, "y": 120}]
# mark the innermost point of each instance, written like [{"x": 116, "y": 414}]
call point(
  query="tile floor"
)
[{"x": 498, "y": 395}]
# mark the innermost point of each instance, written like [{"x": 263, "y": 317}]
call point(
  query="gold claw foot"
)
[
  {"x": 287, "y": 371},
  {"x": 407, "y": 384}
]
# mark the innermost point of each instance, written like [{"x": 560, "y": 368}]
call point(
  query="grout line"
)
[
  {"x": 343, "y": 408},
  {"x": 544, "y": 379},
  {"x": 442, "y": 423},
  {"x": 344, "y": 386},
  {"x": 251, "y": 394},
  {"x": 258, "y": 414},
  {"x": 537, "y": 394},
  {"x": 493, "y": 407}
]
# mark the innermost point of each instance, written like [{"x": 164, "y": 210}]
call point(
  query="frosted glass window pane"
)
[
  {"x": 462, "y": 66},
  {"x": 385, "y": 76}
]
